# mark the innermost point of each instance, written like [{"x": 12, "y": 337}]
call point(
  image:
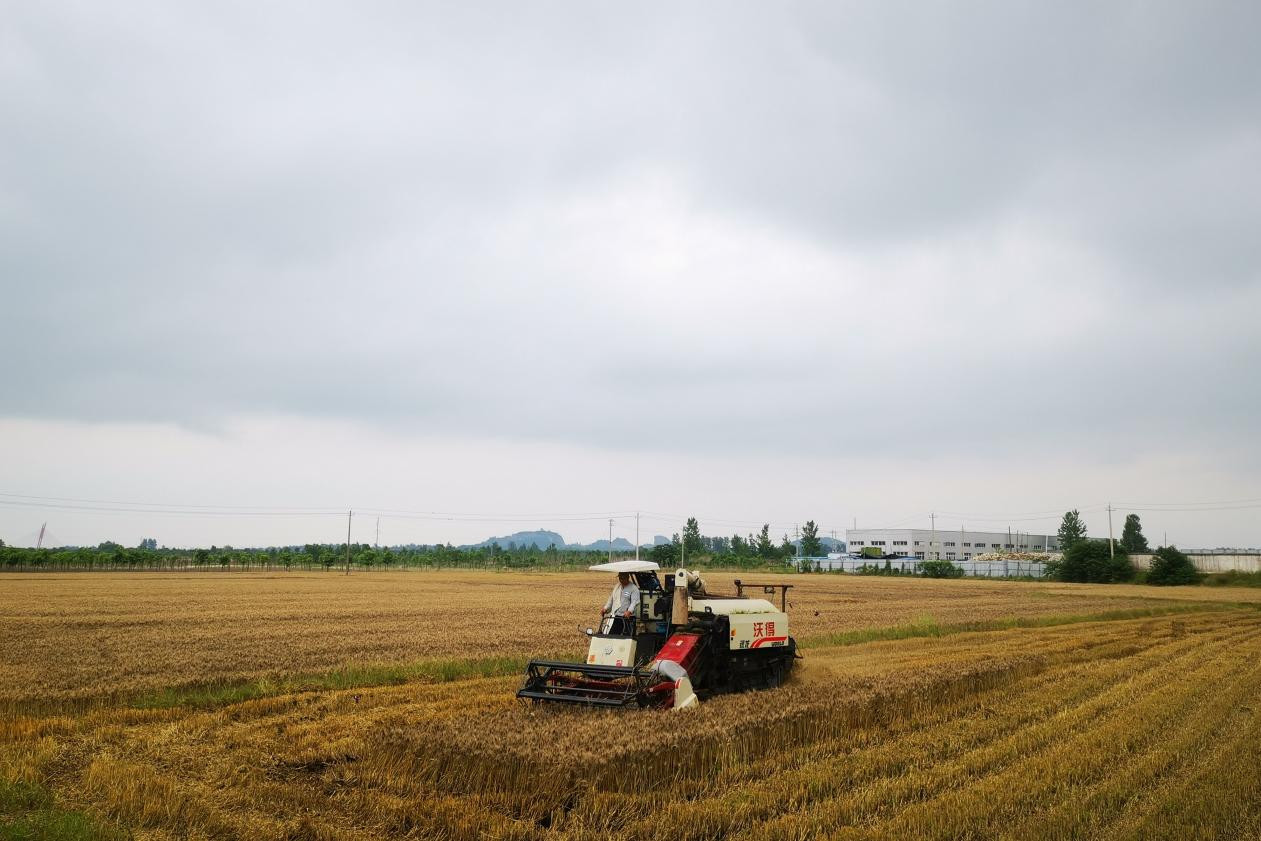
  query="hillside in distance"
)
[{"x": 542, "y": 539}]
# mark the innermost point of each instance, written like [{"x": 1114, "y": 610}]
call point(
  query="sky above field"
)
[{"x": 531, "y": 264}]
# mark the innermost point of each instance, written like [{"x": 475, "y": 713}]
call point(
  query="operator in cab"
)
[{"x": 622, "y": 603}]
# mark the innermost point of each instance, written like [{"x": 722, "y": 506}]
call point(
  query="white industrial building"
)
[{"x": 946, "y": 545}]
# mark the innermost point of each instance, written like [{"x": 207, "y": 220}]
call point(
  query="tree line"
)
[
  {"x": 1099, "y": 561},
  {"x": 755, "y": 549},
  {"x": 739, "y": 551},
  {"x": 312, "y": 556},
  {"x": 1083, "y": 559}
]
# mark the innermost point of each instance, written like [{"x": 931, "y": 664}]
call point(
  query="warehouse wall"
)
[{"x": 1211, "y": 562}]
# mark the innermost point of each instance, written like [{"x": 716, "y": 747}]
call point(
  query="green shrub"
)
[
  {"x": 1091, "y": 561},
  {"x": 1170, "y": 567},
  {"x": 940, "y": 569},
  {"x": 1233, "y": 578}
]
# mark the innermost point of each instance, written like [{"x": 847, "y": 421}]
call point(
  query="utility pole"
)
[
  {"x": 932, "y": 541},
  {"x": 797, "y": 540},
  {"x": 610, "y": 540},
  {"x": 349, "y": 515},
  {"x": 376, "y": 544},
  {"x": 1112, "y": 548},
  {"x": 637, "y": 535}
]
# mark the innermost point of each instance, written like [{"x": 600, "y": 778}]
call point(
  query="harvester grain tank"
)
[{"x": 685, "y": 644}]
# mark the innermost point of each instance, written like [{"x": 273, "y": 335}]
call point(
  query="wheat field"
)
[
  {"x": 1140, "y": 726},
  {"x": 66, "y": 637}
]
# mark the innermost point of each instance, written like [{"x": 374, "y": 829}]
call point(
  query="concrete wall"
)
[
  {"x": 1211, "y": 562},
  {"x": 1206, "y": 562}
]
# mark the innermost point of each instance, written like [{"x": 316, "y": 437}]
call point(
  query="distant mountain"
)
[
  {"x": 541, "y": 539},
  {"x": 620, "y": 544}
]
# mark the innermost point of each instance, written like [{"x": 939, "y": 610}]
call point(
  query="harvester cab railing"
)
[{"x": 767, "y": 589}]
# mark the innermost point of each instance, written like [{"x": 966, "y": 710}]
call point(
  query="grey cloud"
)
[{"x": 382, "y": 213}]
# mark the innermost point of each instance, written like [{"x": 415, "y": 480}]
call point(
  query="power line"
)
[
  {"x": 675, "y": 518},
  {"x": 1050, "y": 512},
  {"x": 902, "y": 522},
  {"x": 165, "y": 511},
  {"x": 1216, "y": 508},
  {"x": 1002, "y": 519},
  {"x": 479, "y": 518},
  {"x": 115, "y": 507},
  {"x": 123, "y": 506},
  {"x": 164, "y": 504},
  {"x": 1255, "y": 499}
]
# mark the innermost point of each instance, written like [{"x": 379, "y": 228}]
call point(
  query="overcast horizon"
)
[{"x": 529, "y": 264}]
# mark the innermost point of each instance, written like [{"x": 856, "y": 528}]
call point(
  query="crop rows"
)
[
  {"x": 1127, "y": 729},
  {"x": 75, "y": 637},
  {"x": 926, "y": 756}
]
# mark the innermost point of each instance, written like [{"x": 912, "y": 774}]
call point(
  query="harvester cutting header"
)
[{"x": 678, "y": 644}]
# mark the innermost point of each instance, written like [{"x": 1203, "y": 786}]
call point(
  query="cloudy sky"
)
[{"x": 532, "y": 263}]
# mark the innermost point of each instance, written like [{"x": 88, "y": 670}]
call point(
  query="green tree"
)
[
  {"x": 939, "y": 569},
  {"x": 666, "y": 555},
  {"x": 811, "y": 547},
  {"x": 765, "y": 548},
  {"x": 692, "y": 537},
  {"x": 1132, "y": 539},
  {"x": 1072, "y": 530},
  {"x": 1169, "y": 567},
  {"x": 1091, "y": 561}
]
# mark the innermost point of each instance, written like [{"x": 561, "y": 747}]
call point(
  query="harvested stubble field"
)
[
  {"x": 1129, "y": 728},
  {"x": 83, "y": 636}
]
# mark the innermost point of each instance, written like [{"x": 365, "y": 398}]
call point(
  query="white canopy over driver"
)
[{"x": 625, "y": 566}]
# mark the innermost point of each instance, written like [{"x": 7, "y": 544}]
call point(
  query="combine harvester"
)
[{"x": 685, "y": 644}]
